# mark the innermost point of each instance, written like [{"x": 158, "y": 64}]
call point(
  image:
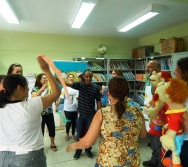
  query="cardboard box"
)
[
  {"x": 135, "y": 53},
  {"x": 144, "y": 51},
  {"x": 172, "y": 45}
]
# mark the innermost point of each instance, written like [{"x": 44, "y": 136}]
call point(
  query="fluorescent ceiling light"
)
[
  {"x": 7, "y": 12},
  {"x": 141, "y": 17},
  {"x": 84, "y": 10}
]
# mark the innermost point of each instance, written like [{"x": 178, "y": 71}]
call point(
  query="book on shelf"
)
[
  {"x": 131, "y": 85},
  {"x": 131, "y": 75},
  {"x": 94, "y": 66},
  {"x": 128, "y": 76},
  {"x": 139, "y": 85},
  {"x": 144, "y": 77},
  {"x": 139, "y": 77},
  {"x": 140, "y": 98},
  {"x": 131, "y": 64},
  {"x": 165, "y": 63},
  {"x": 115, "y": 64},
  {"x": 104, "y": 76},
  {"x": 98, "y": 66},
  {"x": 98, "y": 77},
  {"x": 112, "y": 65},
  {"x": 169, "y": 62},
  {"x": 125, "y": 65},
  {"x": 141, "y": 64},
  {"x": 119, "y": 64}
]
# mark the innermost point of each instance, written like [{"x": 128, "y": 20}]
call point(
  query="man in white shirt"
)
[{"x": 154, "y": 140}]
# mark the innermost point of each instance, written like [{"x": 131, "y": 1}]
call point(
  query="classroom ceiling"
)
[{"x": 56, "y": 16}]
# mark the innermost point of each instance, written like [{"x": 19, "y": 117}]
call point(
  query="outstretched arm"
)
[
  {"x": 51, "y": 97},
  {"x": 91, "y": 136}
]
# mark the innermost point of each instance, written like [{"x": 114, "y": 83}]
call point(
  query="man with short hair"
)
[
  {"x": 88, "y": 94},
  {"x": 150, "y": 67},
  {"x": 154, "y": 140}
]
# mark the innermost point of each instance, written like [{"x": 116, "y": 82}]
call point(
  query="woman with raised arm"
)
[
  {"x": 21, "y": 139},
  {"x": 42, "y": 88}
]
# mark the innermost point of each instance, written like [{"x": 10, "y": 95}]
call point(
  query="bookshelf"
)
[
  {"x": 164, "y": 60},
  {"x": 140, "y": 64},
  {"x": 128, "y": 68},
  {"x": 98, "y": 67},
  {"x": 133, "y": 70},
  {"x": 168, "y": 63}
]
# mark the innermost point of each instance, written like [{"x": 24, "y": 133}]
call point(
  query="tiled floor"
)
[{"x": 63, "y": 159}]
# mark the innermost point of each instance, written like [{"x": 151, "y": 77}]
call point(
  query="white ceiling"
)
[{"x": 55, "y": 16}]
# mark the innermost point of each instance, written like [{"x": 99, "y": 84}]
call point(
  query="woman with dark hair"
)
[
  {"x": 181, "y": 72},
  {"x": 21, "y": 140},
  {"x": 15, "y": 69},
  {"x": 119, "y": 126},
  {"x": 104, "y": 89},
  {"x": 42, "y": 89}
]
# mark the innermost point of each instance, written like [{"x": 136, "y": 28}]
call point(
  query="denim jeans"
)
[
  {"x": 31, "y": 159},
  {"x": 96, "y": 165},
  {"x": 83, "y": 124},
  {"x": 156, "y": 149}
]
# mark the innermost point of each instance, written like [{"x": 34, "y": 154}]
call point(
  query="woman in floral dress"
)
[{"x": 119, "y": 126}]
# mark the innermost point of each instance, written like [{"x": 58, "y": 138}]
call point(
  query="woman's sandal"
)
[
  {"x": 54, "y": 148},
  {"x": 73, "y": 137},
  {"x": 67, "y": 137}
]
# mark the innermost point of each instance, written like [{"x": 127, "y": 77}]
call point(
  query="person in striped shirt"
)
[{"x": 88, "y": 94}]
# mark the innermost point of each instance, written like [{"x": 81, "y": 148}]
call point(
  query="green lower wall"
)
[{"x": 23, "y": 48}]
